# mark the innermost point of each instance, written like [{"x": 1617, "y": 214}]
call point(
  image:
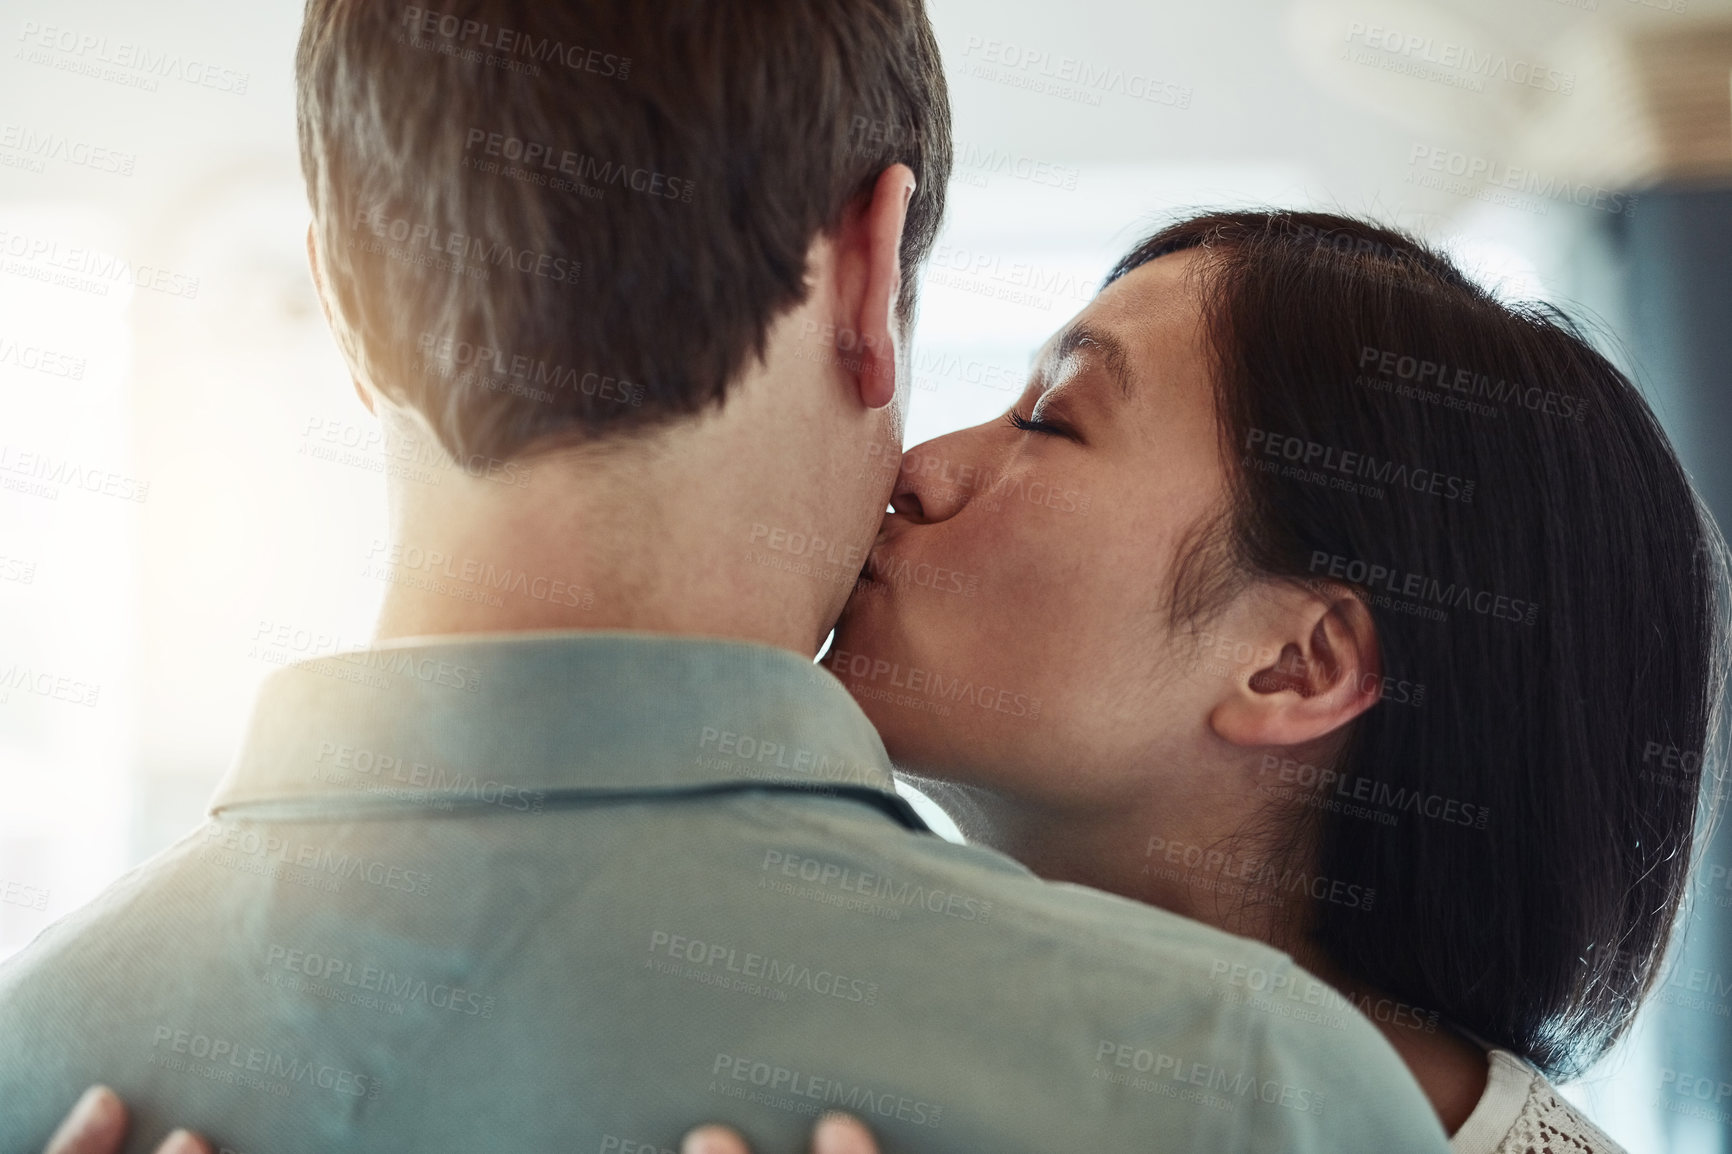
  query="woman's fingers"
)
[
  {"x": 842, "y": 1134},
  {"x": 713, "y": 1140},
  {"x": 97, "y": 1125},
  {"x": 835, "y": 1134}
]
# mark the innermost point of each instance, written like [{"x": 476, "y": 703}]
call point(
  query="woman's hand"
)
[
  {"x": 97, "y": 1125},
  {"x": 834, "y": 1134}
]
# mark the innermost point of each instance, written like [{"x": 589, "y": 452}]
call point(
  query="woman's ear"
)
[
  {"x": 1325, "y": 671},
  {"x": 872, "y": 252}
]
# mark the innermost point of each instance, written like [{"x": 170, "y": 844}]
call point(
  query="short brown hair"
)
[{"x": 546, "y": 222}]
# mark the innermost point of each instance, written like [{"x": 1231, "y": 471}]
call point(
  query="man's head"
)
[{"x": 585, "y": 223}]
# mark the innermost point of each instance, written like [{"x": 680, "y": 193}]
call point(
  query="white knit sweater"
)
[{"x": 1522, "y": 1113}]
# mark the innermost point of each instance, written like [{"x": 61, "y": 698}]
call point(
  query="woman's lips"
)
[
  {"x": 871, "y": 573},
  {"x": 868, "y": 576},
  {"x": 878, "y": 558},
  {"x": 877, "y": 562}
]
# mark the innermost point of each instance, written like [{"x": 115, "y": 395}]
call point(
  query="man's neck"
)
[
  {"x": 654, "y": 537},
  {"x": 750, "y": 519}
]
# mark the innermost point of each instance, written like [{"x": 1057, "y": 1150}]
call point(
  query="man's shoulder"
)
[
  {"x": 870, "y": 866},
  {"x": 808, "y": 944}
]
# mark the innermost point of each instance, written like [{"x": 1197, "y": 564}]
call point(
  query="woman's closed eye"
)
[{"x": 1037, "y": 425}]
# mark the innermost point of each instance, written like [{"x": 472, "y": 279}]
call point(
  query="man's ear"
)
[
  {"x": 325, "y": 303},
  {"x": 1326, "y": 670},
  {"x": 876, "y": 244}
]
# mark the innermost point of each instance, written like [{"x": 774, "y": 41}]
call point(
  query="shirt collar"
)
[{"x": 511, "y": 715}]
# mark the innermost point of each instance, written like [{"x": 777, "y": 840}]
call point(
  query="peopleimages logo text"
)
[
  {"x": 1394, "y": 365},
  {"x": 1391, "y": 580},
  {"x": 478, "y": 36},
  {"x": 1461, "y": 58},
  {"x": 92, "y": 50},
  {"x": 1350, "y": 463},
  {"x": 553, "y": 159},
  {"x": 477, "y": 252},
  {"x": 1498, "y": 174}
]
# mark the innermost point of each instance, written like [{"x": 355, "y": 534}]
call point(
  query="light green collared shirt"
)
[{"x": 577, "y": 892}]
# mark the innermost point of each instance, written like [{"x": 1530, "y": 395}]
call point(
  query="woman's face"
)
[{"x": 1014, "y": 634}]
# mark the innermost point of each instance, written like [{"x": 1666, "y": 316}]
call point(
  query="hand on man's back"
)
[
  {"x": 97, "y": 1125},
  {"x": 834, "y": 1134}
]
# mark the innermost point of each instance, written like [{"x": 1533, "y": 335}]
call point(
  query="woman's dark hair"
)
[{"x": 1547, "y": 595}]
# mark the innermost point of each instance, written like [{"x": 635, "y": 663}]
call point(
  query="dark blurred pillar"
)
[{"x": 1677, "y": 253}]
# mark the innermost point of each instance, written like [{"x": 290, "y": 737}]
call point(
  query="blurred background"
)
[{"x": 189, "y": 489}]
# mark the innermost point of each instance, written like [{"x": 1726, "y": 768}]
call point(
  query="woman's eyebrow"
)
[{"x": 1111, "y": 351}]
